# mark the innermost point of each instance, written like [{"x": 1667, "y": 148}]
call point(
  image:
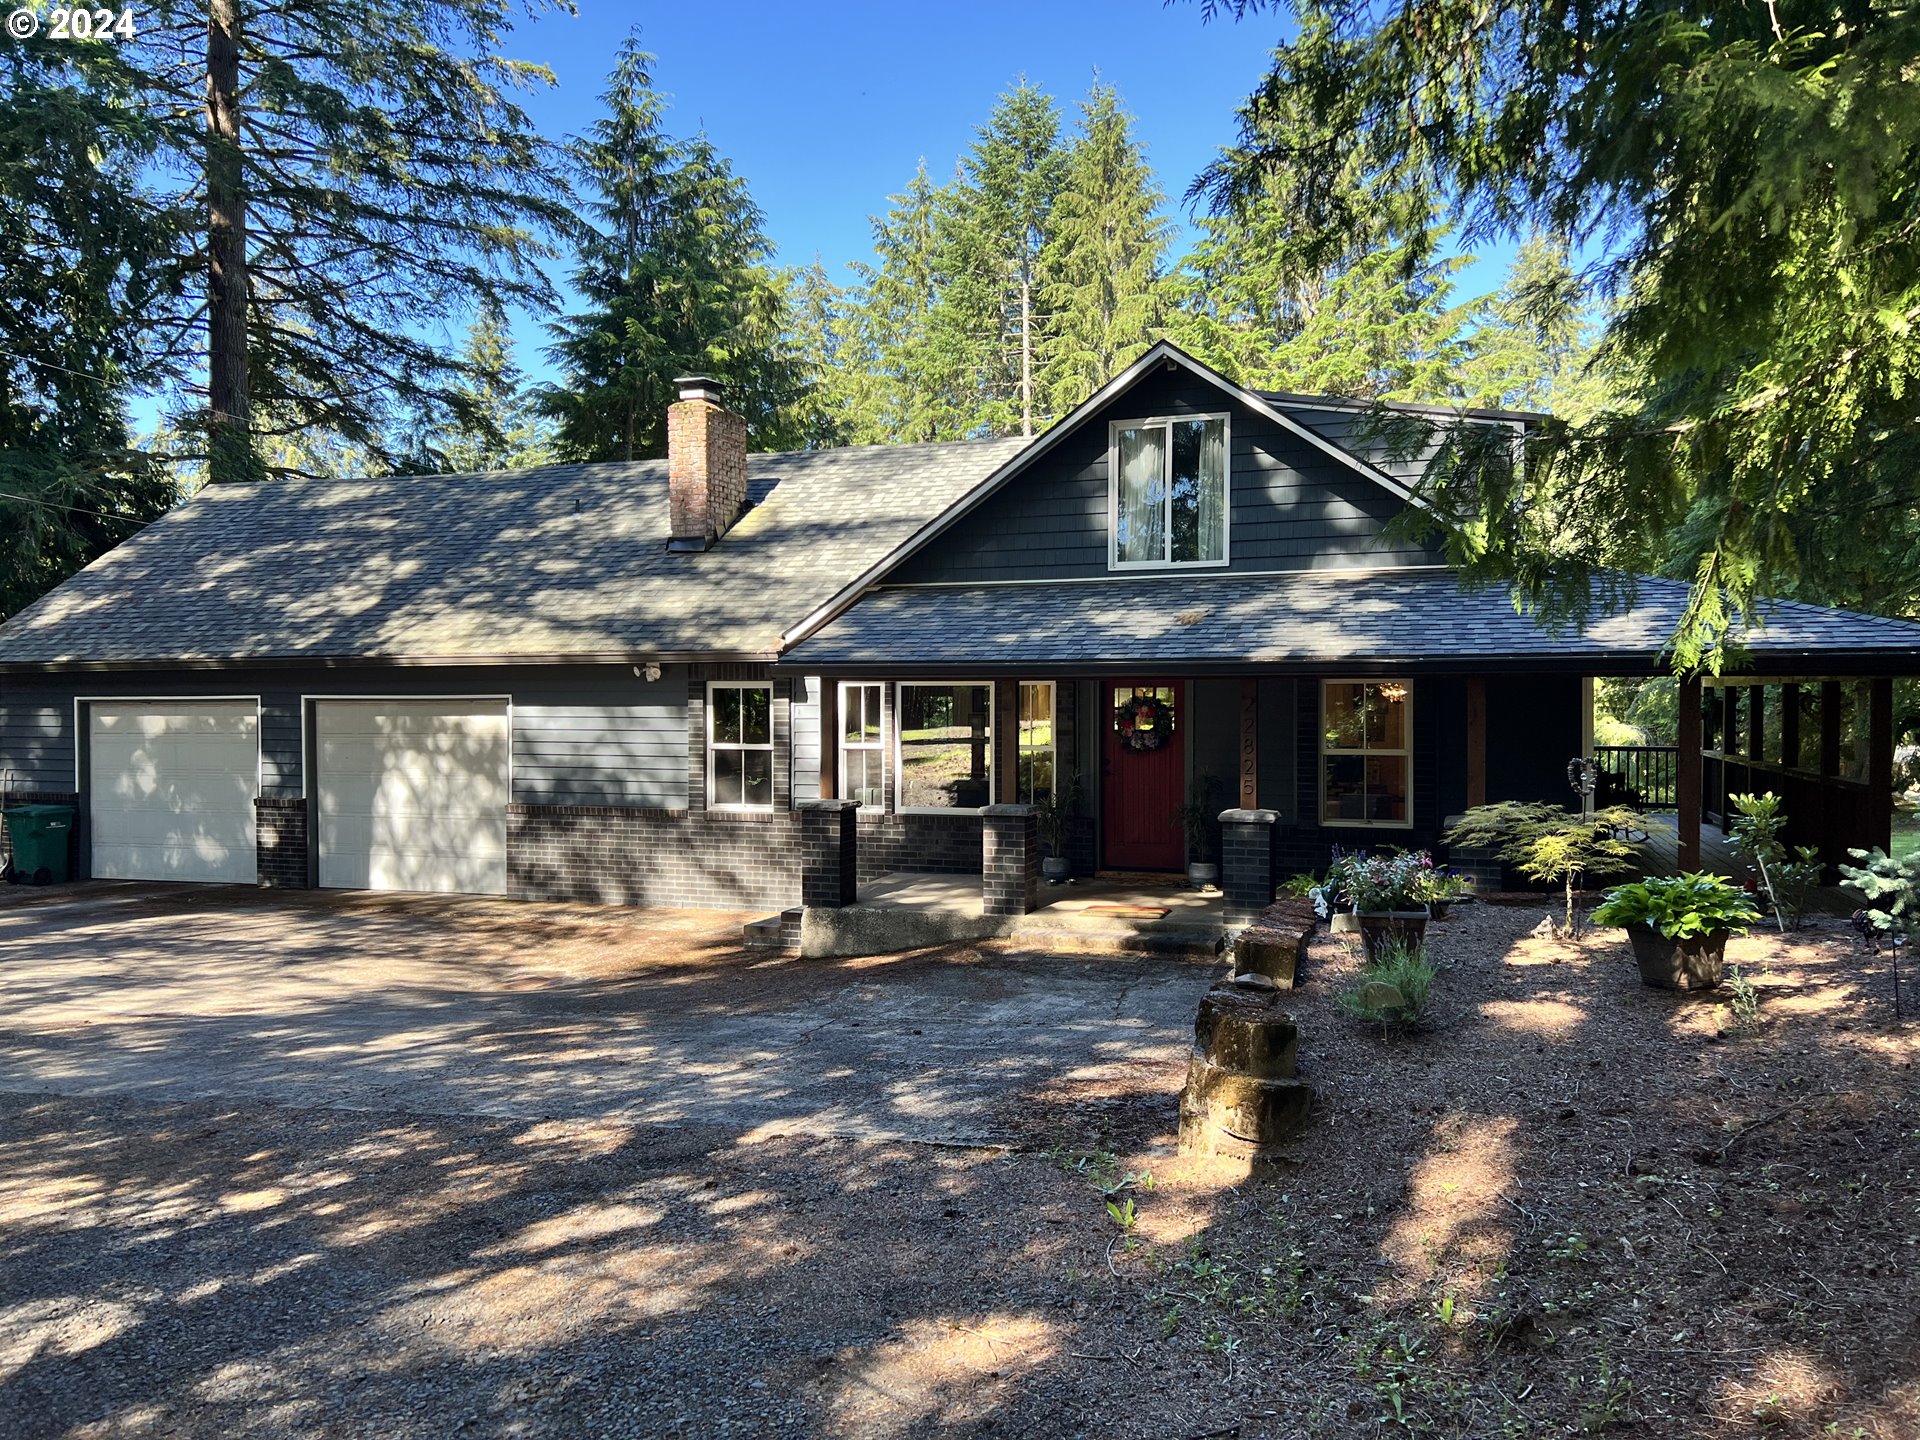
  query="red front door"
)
[{"x": 1141, "y": 788}]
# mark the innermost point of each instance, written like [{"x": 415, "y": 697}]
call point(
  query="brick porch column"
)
[
  {"x": 1246, "y": 863},
  {"x": 829, "y": 853},
  {"x": 1010, "y": 874}
]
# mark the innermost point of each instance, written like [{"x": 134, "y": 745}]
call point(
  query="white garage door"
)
[
  {"x": 413, "y": 794},
  {"x": 171, "y": 787}
]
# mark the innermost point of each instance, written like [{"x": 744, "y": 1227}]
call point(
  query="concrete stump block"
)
[
  {"x": 1242, "y": 1096},
  {"x": 1270, "y": 953}
]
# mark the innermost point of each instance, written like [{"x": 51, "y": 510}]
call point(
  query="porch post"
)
[
  {"x": 1249, "y": 743},
  {"x": 829, "y": 737},
  {"x": 1006, "y": 741},
  {"x": 1477, "y": 740},
  {"x": 1687, "y": 775},
  {"x": 1880, "y": 762},
  {"x": 1246, "y": 863},
  {"x": 829, "y": 853},
  {"x": 1832, "y": 850},
  {"x": 1010, "y": 872}
]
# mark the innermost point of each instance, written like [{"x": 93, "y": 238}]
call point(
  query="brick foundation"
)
[
  {"x": 280, "y": 838},
  {"x": 613, "y": 855}
]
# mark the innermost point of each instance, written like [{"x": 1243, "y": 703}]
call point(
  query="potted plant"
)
[
  {"x": 1332, "y": 900},
  {"x": 1678, "y": 925},
  {"x": 1053, "y": 816},
  {"x": 1386, "y": 891},
  {"x": 1443, "y": 888},
  {"x": 1200, "y": 818}
]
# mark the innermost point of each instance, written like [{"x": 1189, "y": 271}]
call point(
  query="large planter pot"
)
[
  {"x": 1689, "y": 964},
  {"x": 1202, "y": 873},
  {"x": 1054, "y": 869},
  {"x": 1378, "y": 927}
]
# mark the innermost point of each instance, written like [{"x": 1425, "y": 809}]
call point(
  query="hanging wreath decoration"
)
[{"x": 1144, "y": 722}]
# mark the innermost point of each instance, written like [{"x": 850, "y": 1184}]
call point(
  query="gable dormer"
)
[{"x": 1170, "y": 468}]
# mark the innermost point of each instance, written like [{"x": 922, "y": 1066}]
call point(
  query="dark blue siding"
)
[
  {"x": 1294, "y": 506},
  {"x": 582, "y": 735}
]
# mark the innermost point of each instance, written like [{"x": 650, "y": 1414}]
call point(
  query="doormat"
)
[{"x": 1131, "y": 912}]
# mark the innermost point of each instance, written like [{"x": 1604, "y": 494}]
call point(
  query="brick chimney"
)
[{"x": 706, "y": 465}]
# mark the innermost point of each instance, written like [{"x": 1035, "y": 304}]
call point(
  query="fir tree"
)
[
  {"x": 1533, "y": 346},
  {"x": 826, "y": 347},
  {"x": 348, "y": 166},
  {"x": 989, "y": 326},
  {"x": 676, "y": 281},
  {"x": 915, "y": 394},
  {"x": 496, "y": 426},
  {"x": 84, "y": 306},
  {"x": 1104, "y": 257}
]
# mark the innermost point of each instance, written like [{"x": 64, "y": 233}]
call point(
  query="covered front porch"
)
[{"x": 1259, "y": 722}]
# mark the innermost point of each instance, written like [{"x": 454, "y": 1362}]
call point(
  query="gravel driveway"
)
[{"x": 298, "y": 1164}]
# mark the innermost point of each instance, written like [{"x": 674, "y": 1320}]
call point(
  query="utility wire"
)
[{"x": 70, "y": 509}]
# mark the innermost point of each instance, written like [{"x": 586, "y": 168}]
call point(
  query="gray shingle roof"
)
[
  {"x": 1417, "y": 617},
  {"x": 567, "y": 560}
]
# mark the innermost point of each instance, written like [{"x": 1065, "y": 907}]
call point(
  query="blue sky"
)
[{"x": 826, "y": 108}]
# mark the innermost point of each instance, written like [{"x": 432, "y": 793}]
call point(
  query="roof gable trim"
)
[{"x": 1162, "y": 351}]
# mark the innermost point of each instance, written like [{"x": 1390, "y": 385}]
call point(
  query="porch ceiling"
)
[{"x": 1357, "y": 621}]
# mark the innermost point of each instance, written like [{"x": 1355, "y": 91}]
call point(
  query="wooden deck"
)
[{"x": 1660, "y": 855}]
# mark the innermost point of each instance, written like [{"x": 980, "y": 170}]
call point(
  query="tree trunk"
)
[
  {"x": 1026, "y": 356},
  {"x": 227, "y": 397}
]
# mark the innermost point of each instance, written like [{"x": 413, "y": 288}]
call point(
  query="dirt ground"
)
[{"x": 1573, "y": 1206}]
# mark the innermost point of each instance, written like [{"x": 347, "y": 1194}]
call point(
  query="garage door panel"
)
[
  {"x": 412, "y": 795},
  {"x": 171, "y": 790}
]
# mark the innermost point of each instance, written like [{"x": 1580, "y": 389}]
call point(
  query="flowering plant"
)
[{"x": 1390, "y": 882}]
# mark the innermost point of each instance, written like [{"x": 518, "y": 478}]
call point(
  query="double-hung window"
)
[
  {"x": 862, "y": 745},
  {"x": 1038, "y": 755},
  {"x": 1366, "y": 753},
  {"x": 1168, "y": 492},
  {"x": 739, "y": 746}
]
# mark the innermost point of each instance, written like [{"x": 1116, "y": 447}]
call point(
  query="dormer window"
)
[{"x": 1167, "y": 492}]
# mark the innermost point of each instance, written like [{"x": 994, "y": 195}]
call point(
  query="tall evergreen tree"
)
[
  {"x": 989, "y": 324},
  {"x": 1327, "y": 275},
  {"x": 353, "y": 165},
  {"x": 1103, "y": 261},
  {"x": 1532, "y": 348},
  {"x": 1750, "y": 170},
  {"x": 828, "y": 351},
  {"x": 916, "y": 393},
  {"x": 494, "y": 424},
  {"x": 676, "y": 279},
  {"x": 82, "y": 297}
]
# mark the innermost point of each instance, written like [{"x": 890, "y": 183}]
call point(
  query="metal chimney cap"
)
[{"x": 701, "y": 387}]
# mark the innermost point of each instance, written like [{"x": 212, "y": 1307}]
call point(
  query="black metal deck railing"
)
[{"x": 1647, "y": 777}]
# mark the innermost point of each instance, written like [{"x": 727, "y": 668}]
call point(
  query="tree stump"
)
[{"x": 1242, "y": 1096}]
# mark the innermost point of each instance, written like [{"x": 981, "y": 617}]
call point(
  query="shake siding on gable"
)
[{"x": 1294, "y": 506}]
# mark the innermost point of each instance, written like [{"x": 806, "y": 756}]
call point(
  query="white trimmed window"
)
[
  {"x": 739, "y": 745},
  {"x": 863, "y": 753},
  {"x": 943, "y": 747},
  {"x": 1167, "y": 492},
  {"x": 1038, "y": 757},
  {"x": 1366, "y": 753}
]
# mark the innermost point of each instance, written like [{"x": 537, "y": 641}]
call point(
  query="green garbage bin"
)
[{"x": 40, "y": 836}]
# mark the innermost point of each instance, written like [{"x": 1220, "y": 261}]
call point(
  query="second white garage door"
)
[{"x": 412, "y": 794}]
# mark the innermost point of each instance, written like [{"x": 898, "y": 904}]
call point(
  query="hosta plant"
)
[{"x": 1680, "y": 907}]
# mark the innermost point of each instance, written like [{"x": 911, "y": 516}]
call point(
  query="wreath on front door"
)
[{"x": 1144, "y": 722}]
